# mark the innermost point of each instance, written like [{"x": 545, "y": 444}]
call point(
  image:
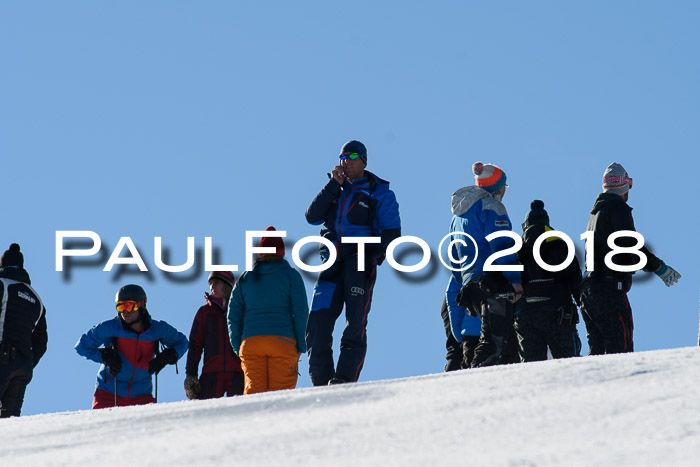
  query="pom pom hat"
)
[
  {"x": 275, "y": 242},
  {"x": 490, "y": 177},
  {"x": 537, "y": 214},
  {"x": 12, "y": 257}
]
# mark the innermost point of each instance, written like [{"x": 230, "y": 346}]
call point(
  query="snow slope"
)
[{"x": 635, "y": 409}]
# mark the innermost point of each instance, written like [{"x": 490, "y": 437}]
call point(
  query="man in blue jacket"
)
[
  {"x": 127, "y": 348},
  {"x": 478, "y": 212},
  {"x": 354, "y": 203}
]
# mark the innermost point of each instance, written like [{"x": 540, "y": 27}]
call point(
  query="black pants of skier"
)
[
  {"x": 15, "y": 374},
  {"x": 217, "y": 384},
  {"x": 341, "y": 285},
  {"x": 455, "y": 350},
  {"x": 607, "y": 314},
  {"x": 539, "y": 329},
  {"x": 469, "y": 345},
  {"x": 496, "y": 341}
]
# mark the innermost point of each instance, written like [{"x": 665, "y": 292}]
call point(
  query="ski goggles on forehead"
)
[
  {"x": 613, "y": 181},
  {"x": 128, "y": 305},
  {"x": 352, "y": 156}
]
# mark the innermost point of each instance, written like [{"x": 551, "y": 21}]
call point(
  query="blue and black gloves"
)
[{"x": 667, "y": 274}]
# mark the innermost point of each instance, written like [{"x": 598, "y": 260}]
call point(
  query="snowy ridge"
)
[{"x": 634, "y": 409}]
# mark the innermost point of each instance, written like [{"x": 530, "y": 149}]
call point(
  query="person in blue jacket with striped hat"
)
[
  {"x": 477, "y": 213},
  {"x": 127, "y": 348},
  {"x": 354, "y": 203}
]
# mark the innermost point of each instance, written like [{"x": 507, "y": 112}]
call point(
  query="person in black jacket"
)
[
  {"x": 547, "y": 316},
  {"x": 605, "y": 307},
  {"x": 23, "y": 336}
]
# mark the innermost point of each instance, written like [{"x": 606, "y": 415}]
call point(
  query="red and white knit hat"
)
[{"x": 616, "y": 180}]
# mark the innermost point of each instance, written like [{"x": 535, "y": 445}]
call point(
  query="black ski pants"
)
[
  {"x": 497, "y": 341},
  {"x": 454, "y": 349},
  {"x": 341, "y": 285},
  {"x": 218, "y": 384},
  {"x": 608, "y": 316},
  {"x": 538, "y": 329},
  {"x": 15, "y": 375}
]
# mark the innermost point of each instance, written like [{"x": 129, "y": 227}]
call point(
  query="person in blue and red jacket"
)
[
  {"x": 478, "y": 212},
  {"x": 221, "y": 368},
  {"x": 354, "y": 203},
  {"x": 127, "y": 348}
]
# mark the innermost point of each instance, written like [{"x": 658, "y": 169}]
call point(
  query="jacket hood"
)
[
  {"x": 466, "y": 197},
  {"x": 370, "y": 175},
  {"x": 15, "y": 274},
  {"x": 608, "y": 199},
  {"x": 268, "y": 266},
  {"x": 379, "y": 180}
]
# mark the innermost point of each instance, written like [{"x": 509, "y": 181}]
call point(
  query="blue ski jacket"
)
[
  {"x": 365, "y": 208},
  {"x": 135, "y": 350},
  {"x": 476, "y": 213}
]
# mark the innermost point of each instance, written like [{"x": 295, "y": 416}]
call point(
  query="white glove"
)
[{"x": 667, "y": 274}]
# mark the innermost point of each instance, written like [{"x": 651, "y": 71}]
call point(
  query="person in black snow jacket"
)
[
  {"x": 604, "y": 304},
  {"x": 23, "y": 335},
  {"x": 547, "y": 316}
]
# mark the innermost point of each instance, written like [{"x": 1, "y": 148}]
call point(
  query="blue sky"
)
[{"x": 180, "y": 119}]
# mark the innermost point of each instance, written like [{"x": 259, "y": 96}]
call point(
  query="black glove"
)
[
  {"x": 166, "y": 357},
  {"x": 112, "y": 360},
  {"x": 192, "y": 387},
  {"x": 463, "y": 296}
]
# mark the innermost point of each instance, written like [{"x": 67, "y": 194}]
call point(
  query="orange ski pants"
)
[{"x": 269, "y": 363}]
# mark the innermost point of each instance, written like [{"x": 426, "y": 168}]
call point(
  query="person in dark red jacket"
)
[{"x": 221, "y": 369}]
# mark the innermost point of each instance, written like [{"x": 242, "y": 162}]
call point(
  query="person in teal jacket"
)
[{"x": 267, "y": 317}]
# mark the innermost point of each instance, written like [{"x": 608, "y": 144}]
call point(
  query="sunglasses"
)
[
  {"x": 352, "y": 156},
  {"x": 127, "y": 305}
]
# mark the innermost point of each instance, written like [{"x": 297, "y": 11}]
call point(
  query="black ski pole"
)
[{"x": 116, "y": 402}]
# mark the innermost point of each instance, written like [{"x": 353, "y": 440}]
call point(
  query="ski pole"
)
[{"x": 116, "y": 401}]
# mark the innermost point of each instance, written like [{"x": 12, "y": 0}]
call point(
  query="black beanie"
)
[
  {"x": 537, "y": 214},
  {"x": 12, "y": 257},
  {"x": 355, "y": 146}
]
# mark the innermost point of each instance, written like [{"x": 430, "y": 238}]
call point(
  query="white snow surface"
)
[{"x": 632, "y": 409}]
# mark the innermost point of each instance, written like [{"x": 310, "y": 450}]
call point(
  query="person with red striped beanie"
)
[{"x": 605, "y": 307}]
